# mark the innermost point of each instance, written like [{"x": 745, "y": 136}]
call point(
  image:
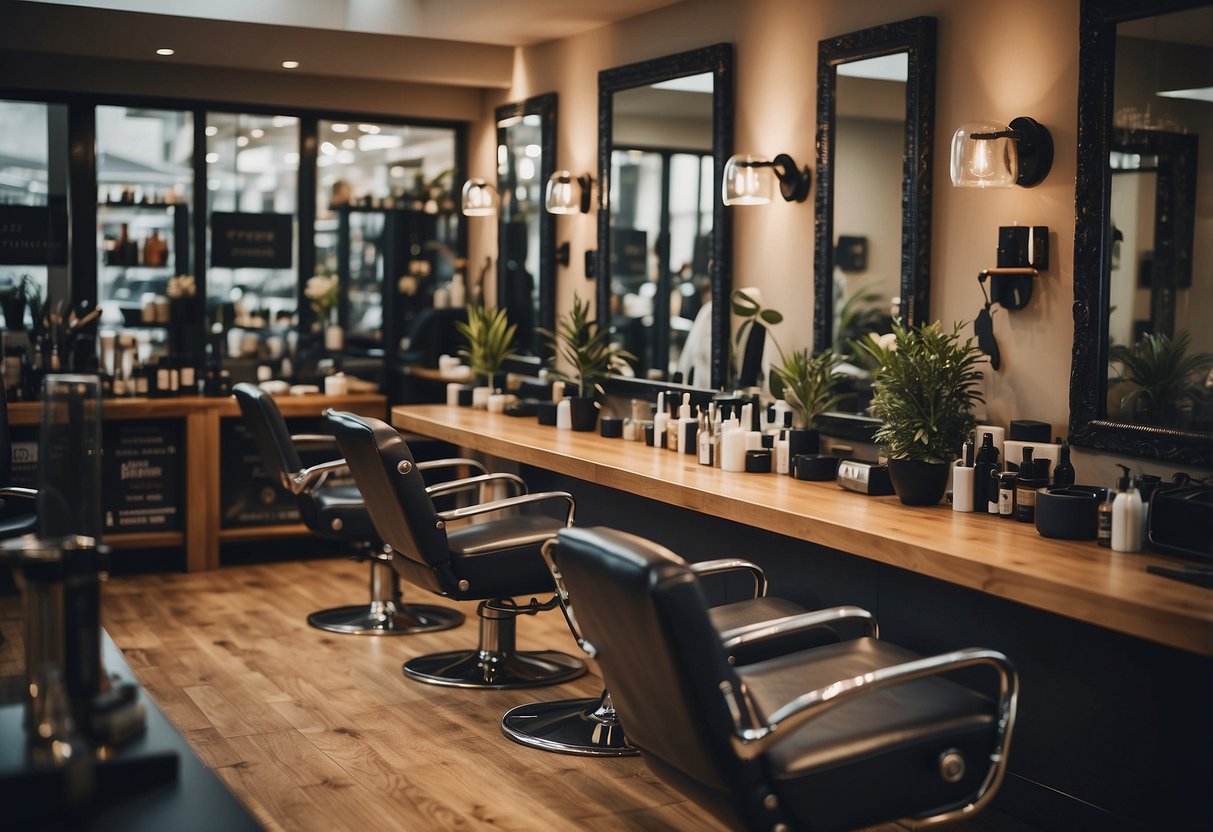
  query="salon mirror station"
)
[
  {"x": 664, "y": 243},
  {"x": 876, "y": 106},
  {"x": 1142, "y": 380}
]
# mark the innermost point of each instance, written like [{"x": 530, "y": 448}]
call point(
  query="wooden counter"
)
[
  {"x": 1003, "y": 558},
  {"x": 201, "y": 505}
]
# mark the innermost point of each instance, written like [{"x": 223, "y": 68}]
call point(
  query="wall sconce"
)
[
  {"x": 479, "y": 199},
  {"x": 748, "y": 181},
  {"x": 562, "y": 198},
  {"x": 986, "y": 154}
]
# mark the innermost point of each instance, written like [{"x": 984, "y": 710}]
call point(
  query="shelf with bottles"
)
[{"x": 140, "y": 197}]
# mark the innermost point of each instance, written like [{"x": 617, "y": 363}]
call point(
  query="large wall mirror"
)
[
  {"x": 875, "y": 128},
  {"x": 665, "y": 130},
  {"x": 1142, "y": 376},
  {"x": 526, "y": 233}
]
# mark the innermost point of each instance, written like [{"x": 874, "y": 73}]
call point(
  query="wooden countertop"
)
[{"x": 1007, "y": 559}]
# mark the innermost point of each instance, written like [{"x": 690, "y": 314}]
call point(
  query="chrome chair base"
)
[
  {"x": 585, "y": 727},
  {"x": 493, "y": 670},
  {"x": 385, "y": 618}
]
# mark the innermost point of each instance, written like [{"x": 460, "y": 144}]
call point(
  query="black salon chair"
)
[
  {"x": 591, "y": 727},
  {"x": 338, "y": 512},
  {"x": 490, "y": 560},
  {"x": 837, "y": 737}
]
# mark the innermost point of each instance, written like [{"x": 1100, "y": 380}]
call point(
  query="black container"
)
[
  {"x": 818, "y": 467},
  {"x": 919, "y": 483},
  {"x": 611, "y": 427},
  {"x": 545, "y": 412},
  {"x": 803, "y": 441},
  {"x": 758, "y": 461},
  {"x": 1069, "y": 512},
  {"x": 583, "y": 413},
  {"x": 465, "y": 398}
]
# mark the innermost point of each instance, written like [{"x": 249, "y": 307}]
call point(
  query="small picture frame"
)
[{"x": 851, "y": 253}]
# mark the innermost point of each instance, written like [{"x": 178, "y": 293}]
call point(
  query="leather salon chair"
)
[
  {"x": 490, "y": 560},
  {"x": 338, "y": 512},
  {"x": 835, "y": 737},
  {"x": 591, "y": 727}
]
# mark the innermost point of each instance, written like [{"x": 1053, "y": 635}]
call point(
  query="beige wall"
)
[{"x": 994, "y": 61}]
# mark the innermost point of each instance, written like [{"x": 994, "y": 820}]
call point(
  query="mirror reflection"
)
[
  {"x": 876, "y": 114},
  {"x": 661, "y": 200},
  {"x": 870, "y": 124},
  {"x": 526, "y": 150},
  {"x": 1159, "y": 284}
]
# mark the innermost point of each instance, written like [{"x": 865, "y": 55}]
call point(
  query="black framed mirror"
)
[
  {"x": 875, "y": 130},
  {"x": 526, "y": 233},
  {"x": 1143, "y": 235},
  {"x": 665, "y": 242}
]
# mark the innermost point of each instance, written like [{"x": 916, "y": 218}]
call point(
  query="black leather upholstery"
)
[
  {"x": 867, "y": 761},
  {"x": 496, "y": 557}
]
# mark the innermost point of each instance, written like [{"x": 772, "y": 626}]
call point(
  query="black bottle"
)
[
  {"x": 1033, "y": 474},
  {"x": 985, "y": 486},
  {"x": 1063, "y": 474}
]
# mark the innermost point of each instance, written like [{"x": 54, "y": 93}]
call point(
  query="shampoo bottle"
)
[
  {"x": 985, "y": 471},
  {"x": 660, "y": 421},
  {"x": 1063, "y": 474},
  {"x": 1126, "y": 515}
]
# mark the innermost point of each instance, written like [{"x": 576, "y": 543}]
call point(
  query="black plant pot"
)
[
  {"x": 545, "y": 412},
  {"x": 803, "y": 441},
  {"x": 583, "y": 413},
  {"x": 918, "y": 483}
]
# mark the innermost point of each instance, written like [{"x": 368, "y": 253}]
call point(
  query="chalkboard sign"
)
[
  {"x": 252, "y": 241},
  {"x": 141, "y": 476},
  {"x": 29, "y": 238},
  {"x": 629, "y": 253}
]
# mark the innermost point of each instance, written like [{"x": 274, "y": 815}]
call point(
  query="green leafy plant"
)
[
  {"x": 925, "y": 386},
  {"x": 489, "y": 335},
  {"x": 584, "y": 346},
  {"x": 860, "y": 314},
  {"x": 807, "y": 382},
  {"x": 1160, "y": 375}
]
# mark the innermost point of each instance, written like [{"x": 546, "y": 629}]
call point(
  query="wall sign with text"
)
[
  {"x": 33, "y": 235},
  {"x": 252, "y": 241}
]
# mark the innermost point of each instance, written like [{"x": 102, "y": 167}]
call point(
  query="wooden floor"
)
[{"x": 316, "y": 731}]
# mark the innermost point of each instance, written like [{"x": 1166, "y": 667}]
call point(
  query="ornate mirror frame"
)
[
  {"x": 1089, "y": 425},
  {"x": 543, "y": 106},
  {"x": 917, "y": 38},
  {"x": 718, "y": 60}
]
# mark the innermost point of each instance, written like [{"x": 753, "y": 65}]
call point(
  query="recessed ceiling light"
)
[
  {"x": 369, "y": 128},
  {"x": 241, "y": 141},
  {"x": 212, "y": 158},
  {"x": 165, "y": 51},
  {"x": 256, "y": 132},
  {"x": 290, "y": 64},
  {"x": 338, "y": 127},
  {"x": 212, "y": 130}
]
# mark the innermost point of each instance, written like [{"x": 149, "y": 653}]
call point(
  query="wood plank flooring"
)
[{"x": 317, "y": 731}]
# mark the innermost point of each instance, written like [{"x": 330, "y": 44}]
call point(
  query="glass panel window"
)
[
  {"x": 386, "y": 228},
  {"x": 145, "y": 184},
  {"x": 252, "y": 164}
]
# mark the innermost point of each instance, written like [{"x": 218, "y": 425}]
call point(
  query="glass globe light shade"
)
[
  {"x": 983, "y": 162},
  {"x": 479, "y": 198},
  {"x": 561, "y": 197},
  {"x": 747, "y": 181}
]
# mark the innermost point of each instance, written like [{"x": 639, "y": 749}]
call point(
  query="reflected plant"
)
[
  {"x": 1160, "y": 376},
  {"x": 860, "y": 314}
]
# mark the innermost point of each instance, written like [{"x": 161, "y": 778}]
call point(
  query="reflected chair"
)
[
  {"x": 591, "y": 727},
  {"x": 490, "y": 560},
  {"x": 338, "y": 512},
  {"x": 836, "y": 737}
]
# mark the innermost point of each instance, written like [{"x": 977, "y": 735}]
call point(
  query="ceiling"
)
[{"x": 460, "y": 42}]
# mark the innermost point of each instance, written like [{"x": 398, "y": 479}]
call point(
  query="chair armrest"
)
[
  {"x": 469, "y": 483},
  {"x": 453, "y": 462},
  {"x": 306, "y": 480},
  {"x": 750, "y": 742},
  {"x": 313, "y": 439},
  {"x": 511, "y": 502},
  {"x": 761, "y": 631},
  {"x": 18, "y": 492},
  {"x": 723, "y": 565}
]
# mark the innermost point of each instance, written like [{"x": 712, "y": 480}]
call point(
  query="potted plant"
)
[
  {"x": 805, "y": 381},
  {"x": 808, "y": 383},
  {"x": 490, "y": 336},
  {"x": 585, "y": 347},
  {"x": 321, "y": 292},
  {"x": 1160, "y": 375},
  {"x": 925, "y": 385}
]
